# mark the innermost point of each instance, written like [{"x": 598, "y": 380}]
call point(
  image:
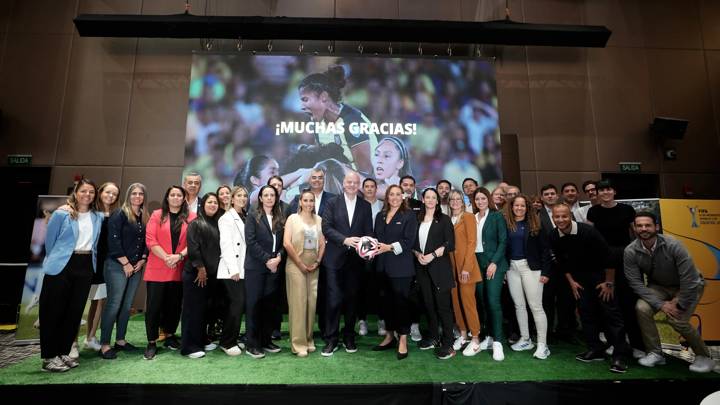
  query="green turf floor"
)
[{"x": 363, "y": 367}]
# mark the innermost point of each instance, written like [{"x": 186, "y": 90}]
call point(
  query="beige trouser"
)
[
  {"x": 648, "y": 328},
  {"x": 301, "y": 296}
]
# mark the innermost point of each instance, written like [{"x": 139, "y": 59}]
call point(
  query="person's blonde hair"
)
[
  {"x": 127, "y": 206},
  {"x": 462, "y": 200}
]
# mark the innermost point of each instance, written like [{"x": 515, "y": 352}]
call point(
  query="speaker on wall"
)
[{"x": 669, "y": 128}]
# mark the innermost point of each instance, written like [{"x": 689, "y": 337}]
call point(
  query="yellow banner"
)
[{"x": 696, "y": 223}]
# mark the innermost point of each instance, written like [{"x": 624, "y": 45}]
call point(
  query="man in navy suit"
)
[
  {"x": 317, "y": 185},
  {"x": 345, "y": 219}
]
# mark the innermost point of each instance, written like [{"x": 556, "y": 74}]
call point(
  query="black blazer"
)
[
  {"x": 537, "y": 251},
  {"x": 203, "y": 244},
  {"x": 293, "y": 209},
  {"x": 414, "y": 204},
  {"x": 403, "y": 229},
  {"x": 259, "y": 241},
  {"x": 546, "y": 222},
  {"x": 441, "y": 233},
  {"x": 336, "y": 228}
]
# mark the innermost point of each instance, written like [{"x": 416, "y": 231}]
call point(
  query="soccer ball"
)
[{"x": 366, "y": 248}]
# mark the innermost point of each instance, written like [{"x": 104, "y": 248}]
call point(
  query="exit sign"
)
[
  {"x": 630, "y": 167},
  {"x": 19, "y": 160}
]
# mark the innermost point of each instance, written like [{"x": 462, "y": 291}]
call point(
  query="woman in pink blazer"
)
[{"x": 165, "y": 236}]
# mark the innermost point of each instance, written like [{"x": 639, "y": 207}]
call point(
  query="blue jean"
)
[{"x": 120, "y": 295}]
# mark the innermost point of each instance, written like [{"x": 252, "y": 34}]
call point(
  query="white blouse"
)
[
  {"x": 84, "y": 242},
  {"x": 423, "y": 231},
  {"x": 480, "y": 224}
]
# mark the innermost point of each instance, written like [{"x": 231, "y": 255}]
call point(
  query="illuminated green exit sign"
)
[
  {"x": 19, "y": 160},
  {"x": 630, "y": 167}
]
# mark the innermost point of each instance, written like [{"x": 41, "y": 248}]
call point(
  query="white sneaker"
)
[
  {"x": 471, "y": 349},
  {"x": 652, "y": 359},
  {"x": 210, "y": 347},
  {"x": 381, "y": 328},
  {"x": 459, "y": 343},
  {"x": 638, "y": 354},
  {"x": 415, "y": 332},
  {"x": 523, "y": 344},
  {"x": 702, "y": 364},
  {"x": 74, "y": 351},
  {"x": 54, "y": 365},
  {"x": 92, "y": 344},
  {"x": 233, "y": 351},
  {"x": 196, "y": 355},
  {"x": 362, "y": 329},
  {"x": 486, "y": 343},
  {"x": 497, "y": 349},
  {"x": 542, "y": 351}
]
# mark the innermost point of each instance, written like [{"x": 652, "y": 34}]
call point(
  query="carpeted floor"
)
[{"x": 363, "y": 367}]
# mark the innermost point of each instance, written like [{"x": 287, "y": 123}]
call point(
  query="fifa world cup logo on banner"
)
[{"x": 693, "y": 214}]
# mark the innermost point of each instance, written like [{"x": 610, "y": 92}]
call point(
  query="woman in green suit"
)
[{"x": 490, "y": 254}]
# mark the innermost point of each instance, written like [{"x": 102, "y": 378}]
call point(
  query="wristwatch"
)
[{"x": 609, "y": 284}]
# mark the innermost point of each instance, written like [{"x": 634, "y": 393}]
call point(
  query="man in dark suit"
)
[
  {"x": 346, "y": 218},
  {"x": 549, "y": 197},
  {"x": 317, "y": 185},
  {"x": 407, "y": 183}
]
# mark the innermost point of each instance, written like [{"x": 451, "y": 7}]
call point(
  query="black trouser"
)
[
  {"x": 261, "y": 287},
  {"x": 598, "y": 315},
  {"x": 215, "y": 305},
  {"x": 372, "y": 285},
  {"x": 62, "y": 302},
  {"x": 626, "y": 299},
  {"x": 194, "y": 310},
  {"x": 397, "y": 303},
  {"x": 508, "y": 310},
  {"x": 342, "y": 293},
  {"x": 235, "y": 297},
  {"x": 438, "y": 307},
  {"x": 164, "y": 303},
  {"x": 558, "y": 299}
]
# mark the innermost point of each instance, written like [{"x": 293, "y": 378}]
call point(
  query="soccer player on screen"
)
[{"x": 321, "y": 98}]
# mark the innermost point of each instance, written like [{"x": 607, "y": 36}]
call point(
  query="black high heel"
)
[
  {"x": 401, "y": 356},
  {"x": 379, "y": 348}
]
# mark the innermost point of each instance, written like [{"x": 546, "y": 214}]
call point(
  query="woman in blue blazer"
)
[
  {"x": 69, "y": 265},
  {"x": 396, "y": 230}
]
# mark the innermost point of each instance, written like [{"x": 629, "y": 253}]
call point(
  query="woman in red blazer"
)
[{"x": 165, "y": 236}]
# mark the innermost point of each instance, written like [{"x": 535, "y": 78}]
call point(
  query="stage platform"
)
[{"x": 364, "y": 377}]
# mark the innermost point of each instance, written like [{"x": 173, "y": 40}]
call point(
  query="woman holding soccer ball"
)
[{"x": 396, "y": 230}]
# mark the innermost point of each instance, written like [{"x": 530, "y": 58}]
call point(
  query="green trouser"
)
[{"x": 488, "y": 293}]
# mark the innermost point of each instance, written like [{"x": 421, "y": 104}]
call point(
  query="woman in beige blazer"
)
[
  {"x": 305, "y": 244},
  {"x": 467, "y": 274}
]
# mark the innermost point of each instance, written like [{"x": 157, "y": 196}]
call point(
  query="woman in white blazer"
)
[{"x": 231, "y": 270}]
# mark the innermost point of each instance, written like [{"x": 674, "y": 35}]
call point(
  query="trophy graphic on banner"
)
[{"x": 693, "y": 214}]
